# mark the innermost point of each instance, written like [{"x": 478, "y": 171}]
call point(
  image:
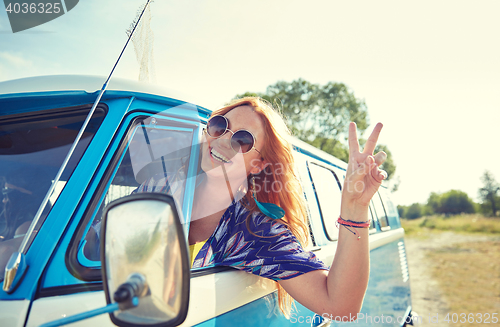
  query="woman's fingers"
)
[
  {"x": 372, "y": 140},
  {"x": 380, "y": 158},
  {"x": 353, "y": 139},
  {"x": 370, "y": 166},
  {"x": 378, "y": 174},
  {"x": 364, "y": 168}
]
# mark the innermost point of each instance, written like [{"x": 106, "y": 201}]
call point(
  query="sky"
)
[{"x": 428, "y": 70}]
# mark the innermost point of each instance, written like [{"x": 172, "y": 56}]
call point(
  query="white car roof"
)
[
  {"x": 91, "y": 84},
  {"x": 87, "y": 83}
]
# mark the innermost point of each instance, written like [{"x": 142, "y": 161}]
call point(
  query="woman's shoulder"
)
[
  {"x": 256, "y": 222},
  {"x": 261, "y": 245}
]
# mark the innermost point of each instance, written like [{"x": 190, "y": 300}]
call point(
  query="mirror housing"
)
[{"x": 144, "y": 256}]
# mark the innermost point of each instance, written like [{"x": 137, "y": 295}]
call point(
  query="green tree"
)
[
  {"x": 414, "y": 211},
  {"x": 320, "y": 115},
  {"x": 489, "y": 193},
  {"x": 433, "y": 203},
  {"x": 402, "y": 211},
  {"x": 456, "y": 202},
  {"x": 450, "y": 203},
  {"x": 389, "y": 166},
  {"x": 317, "y": 114}
]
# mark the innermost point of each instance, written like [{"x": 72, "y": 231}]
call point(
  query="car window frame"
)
[
  {"x": 388, "y": 226},
  {"x": 373, "y": 221},
  {"x": 92, "y": 273},
  {"x": 325, "y": 230}
]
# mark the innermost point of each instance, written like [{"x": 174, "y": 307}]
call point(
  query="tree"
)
[
  {"x": 414, "y": 211},
  {"x": 450, "y": 203},
  {"x": 488, "y": 193},
  {"x": 389, "y": 166},
  {"x": 433, "y": 203},
  {"x": 320, "y": 115},
  {"x": 402, "y": 211},
  {"x": 456, "y": 202}
]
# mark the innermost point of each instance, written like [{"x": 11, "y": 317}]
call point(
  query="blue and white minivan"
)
[{"x": 50, "y": 218}]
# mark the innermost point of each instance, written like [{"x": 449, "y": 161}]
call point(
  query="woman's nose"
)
[
  {"x": 225, "y": 140},
  {"x": 227, "y": 135}
]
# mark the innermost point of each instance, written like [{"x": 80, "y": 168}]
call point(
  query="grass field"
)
[
  {"x": 471, "y": 223},
  {"x": 469, "y": 276},
  {"x": 468, "y": 273}
]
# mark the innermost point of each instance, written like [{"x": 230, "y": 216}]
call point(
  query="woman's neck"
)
[{"x": 213, "y": 196}]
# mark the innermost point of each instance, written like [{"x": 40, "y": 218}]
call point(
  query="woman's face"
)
[{"x": 239, "y": 165}]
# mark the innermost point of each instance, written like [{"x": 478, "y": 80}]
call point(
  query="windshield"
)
[{"x": 32, "y": 149}]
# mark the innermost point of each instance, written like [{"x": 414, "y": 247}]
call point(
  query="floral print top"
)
[{"x": 270, "y": 250}]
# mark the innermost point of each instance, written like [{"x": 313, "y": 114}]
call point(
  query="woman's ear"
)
[{"x": 257, "y": 166}]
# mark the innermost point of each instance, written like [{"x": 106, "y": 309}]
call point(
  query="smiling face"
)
[{"x": 218, "y": 151}]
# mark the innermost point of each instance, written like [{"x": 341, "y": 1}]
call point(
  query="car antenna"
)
[{"x": 16, "y": 266}]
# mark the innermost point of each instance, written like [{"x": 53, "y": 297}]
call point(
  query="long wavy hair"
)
[{"x": 283, "y": 187}]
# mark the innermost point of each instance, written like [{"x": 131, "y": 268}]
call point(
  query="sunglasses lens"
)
[
  {"x": 216, "y": 126},
  {"x": 242, "y": 141}
]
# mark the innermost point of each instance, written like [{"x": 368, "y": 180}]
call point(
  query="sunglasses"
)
[{"x": 241, "y": 141}]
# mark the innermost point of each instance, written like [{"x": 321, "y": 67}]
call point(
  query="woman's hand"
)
[
  {"x": 340, "y": 291},
  {"x": 363, "y": 176}
]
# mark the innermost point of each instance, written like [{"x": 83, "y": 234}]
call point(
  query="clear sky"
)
[{"x": 429, "y": 70}]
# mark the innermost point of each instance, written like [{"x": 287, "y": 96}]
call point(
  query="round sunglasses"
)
[{"x": 241, "y": 141}]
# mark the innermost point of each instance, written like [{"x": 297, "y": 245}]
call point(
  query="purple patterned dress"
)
[{"x": 270, "y": 251}]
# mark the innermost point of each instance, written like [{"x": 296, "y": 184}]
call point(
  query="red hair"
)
[{"x": 279, "y": 170}]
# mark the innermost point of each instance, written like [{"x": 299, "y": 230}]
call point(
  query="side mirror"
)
[{"x": 144, "y": 259}]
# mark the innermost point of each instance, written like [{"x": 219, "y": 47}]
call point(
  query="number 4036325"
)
[
  {"x": 33, "y": 8},
  {"x": 484, "y": 318}
]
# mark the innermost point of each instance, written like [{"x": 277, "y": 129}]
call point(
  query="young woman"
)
[{"x": 248, "y": 165}]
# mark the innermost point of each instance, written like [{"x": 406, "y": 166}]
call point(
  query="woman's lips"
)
[{"x": 217, "y": 159}]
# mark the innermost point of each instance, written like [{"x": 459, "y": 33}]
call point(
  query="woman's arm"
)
[{"x": 340, "y": 291}]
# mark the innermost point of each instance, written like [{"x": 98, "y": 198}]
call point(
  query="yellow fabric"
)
[{"x": 194, "y": 249}]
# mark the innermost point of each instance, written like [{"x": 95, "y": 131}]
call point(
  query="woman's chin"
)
[
  {"x": 209, "y": 163},
  {"x": 233, "y": 173}
]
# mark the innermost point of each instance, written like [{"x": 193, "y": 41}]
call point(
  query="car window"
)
[
  {"x": 156, "y": 158},
  {"x": 380, "y": 211},
  {"x": 390, "y": 208},
  {"x": 328, "y": 194},
  {"x": 372, "y": 219}
]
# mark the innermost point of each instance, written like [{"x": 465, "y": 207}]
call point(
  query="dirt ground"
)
[{"x": 426, "y": 297}]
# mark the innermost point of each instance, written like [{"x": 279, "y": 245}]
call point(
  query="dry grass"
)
[
  {"x": 471, "y": 223},
  {"x": 468, "y": 273},
  {"x": 469, "y": 277}
]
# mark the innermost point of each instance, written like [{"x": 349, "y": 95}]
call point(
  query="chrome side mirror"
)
[{"x": 145, "y": 261}]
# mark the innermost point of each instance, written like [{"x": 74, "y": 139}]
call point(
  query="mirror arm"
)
[
  {"x": 126, "y": 297},
  {"x": 128, "y": 293},
  {"x": 85, "y": 315}
]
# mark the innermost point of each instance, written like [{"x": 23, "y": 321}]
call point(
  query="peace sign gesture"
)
[{"x": 363, "y": 176}]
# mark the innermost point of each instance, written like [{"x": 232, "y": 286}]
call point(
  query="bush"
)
[
  {"x": 452, "y": 202},
  {"x": 414, "y": 211},
  {"x": 402, "y": 211}
]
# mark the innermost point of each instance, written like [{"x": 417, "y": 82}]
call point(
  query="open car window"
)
[
  {"x": 328, "y": 194},
  {"x": 155, "y": 157}
]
